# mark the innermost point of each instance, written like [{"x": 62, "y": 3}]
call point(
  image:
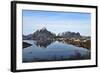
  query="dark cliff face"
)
[
  {"x": 43, "y": 34},
  {"x": 70, "y": 35}
]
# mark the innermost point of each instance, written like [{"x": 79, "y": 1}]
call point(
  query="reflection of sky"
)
[{"x": 56, "y": 22}]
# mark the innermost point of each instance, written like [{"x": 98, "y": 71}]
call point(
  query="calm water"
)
[{"x": 53, "y": 51}]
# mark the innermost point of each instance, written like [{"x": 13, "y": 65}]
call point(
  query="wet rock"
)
[{"x": 25, "y": 44}]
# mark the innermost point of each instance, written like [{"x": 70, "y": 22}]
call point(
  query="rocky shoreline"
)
[
  {"x": 44, "y": 37},
  {"x": 86, "y": 43}
]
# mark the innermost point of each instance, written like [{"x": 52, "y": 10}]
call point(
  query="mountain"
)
[
  {"x": 40, "y": 35},
  {"x": 70, "y": 35},
  {"x": 43, "y": 35},
  {"x": 27, "y": 37}
]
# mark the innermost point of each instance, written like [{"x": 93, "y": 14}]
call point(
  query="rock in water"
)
[{"x": 25, "y": 44}]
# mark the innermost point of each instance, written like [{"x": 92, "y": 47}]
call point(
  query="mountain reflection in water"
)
[
  {"x": 53, "y": 51},
  {"x": 43, "y": 44}
]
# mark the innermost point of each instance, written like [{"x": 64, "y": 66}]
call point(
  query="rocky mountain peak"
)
[{"x": 42, "y": 29}]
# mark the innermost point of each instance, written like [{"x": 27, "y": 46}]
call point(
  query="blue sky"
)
[{"x": 56, "y": 22}]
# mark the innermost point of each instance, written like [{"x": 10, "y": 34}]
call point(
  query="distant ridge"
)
[{"x": 69, "y": 34}]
